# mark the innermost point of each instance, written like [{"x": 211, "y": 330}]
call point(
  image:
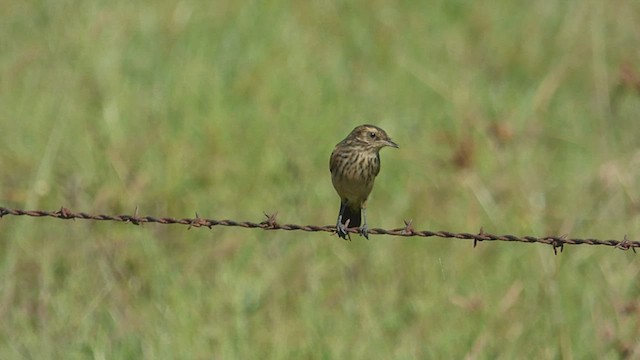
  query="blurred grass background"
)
[{"x": 519, "y": 117}]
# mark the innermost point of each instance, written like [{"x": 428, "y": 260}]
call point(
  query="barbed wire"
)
[{"x": 270, "y": 223}]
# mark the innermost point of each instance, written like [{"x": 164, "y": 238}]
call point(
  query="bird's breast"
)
[
  {"x": 353, "y": 176},
  {"x": 358, "y": 168}
]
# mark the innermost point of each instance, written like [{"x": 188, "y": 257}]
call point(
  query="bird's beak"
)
[{"x": 391, "y": 143}]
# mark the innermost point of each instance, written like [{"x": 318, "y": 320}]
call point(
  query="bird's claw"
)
[
  {"x": 341, "y": 230},
  {"x": 364, "y": 231}
]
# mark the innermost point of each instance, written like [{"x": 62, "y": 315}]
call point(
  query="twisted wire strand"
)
[{"x": 270, "y": 223}]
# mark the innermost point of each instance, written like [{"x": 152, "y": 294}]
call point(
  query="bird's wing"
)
[{"x": 333, "y": 161}]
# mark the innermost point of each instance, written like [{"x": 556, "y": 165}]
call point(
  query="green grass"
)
[{"x": 229, "y": 109}]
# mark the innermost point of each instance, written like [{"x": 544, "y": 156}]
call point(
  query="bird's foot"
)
[
  {"x": 364, "y": 231},
  {"x": 341, "y": 230}
]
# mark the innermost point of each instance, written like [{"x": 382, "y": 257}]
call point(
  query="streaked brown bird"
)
[{"x": 354, "y": 165}]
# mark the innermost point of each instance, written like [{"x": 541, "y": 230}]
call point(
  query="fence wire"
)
[{"x": 270, "y": 223}]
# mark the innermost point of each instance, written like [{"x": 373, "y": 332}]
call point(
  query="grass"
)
[{"x": 510, "y": 117}]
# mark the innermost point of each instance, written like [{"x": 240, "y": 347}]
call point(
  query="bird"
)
[{"x": 354, "y": 165}]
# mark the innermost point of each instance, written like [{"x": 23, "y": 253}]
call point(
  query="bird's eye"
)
[{"x": 372, "y": 135}]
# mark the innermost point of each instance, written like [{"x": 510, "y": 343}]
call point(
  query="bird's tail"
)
[{"x": 352, "y": 215}]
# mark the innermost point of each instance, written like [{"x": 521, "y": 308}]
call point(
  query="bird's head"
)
[{"x": 370, "y": 137}]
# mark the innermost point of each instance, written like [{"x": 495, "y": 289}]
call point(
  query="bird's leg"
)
[
  {"x": 341, "y": 229},
  {"x": 364, "y": 229}
]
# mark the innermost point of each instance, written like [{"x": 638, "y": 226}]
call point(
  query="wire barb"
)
[
  {"x": 270, "y": 223},
  {"x": 478, "y": 238},
  {"x": 408, "y": 227},
  {"x": 626, "y": 245},
  {"x": 64, "y": 213},
  {"x": 558, "y": 243},
  {"x": 198, "y": 222}
]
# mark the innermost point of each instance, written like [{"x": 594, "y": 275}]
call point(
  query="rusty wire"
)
[{"x": 270, "y": 223}]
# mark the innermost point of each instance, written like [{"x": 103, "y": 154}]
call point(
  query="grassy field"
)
[{"x": 511, "y": 116}]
